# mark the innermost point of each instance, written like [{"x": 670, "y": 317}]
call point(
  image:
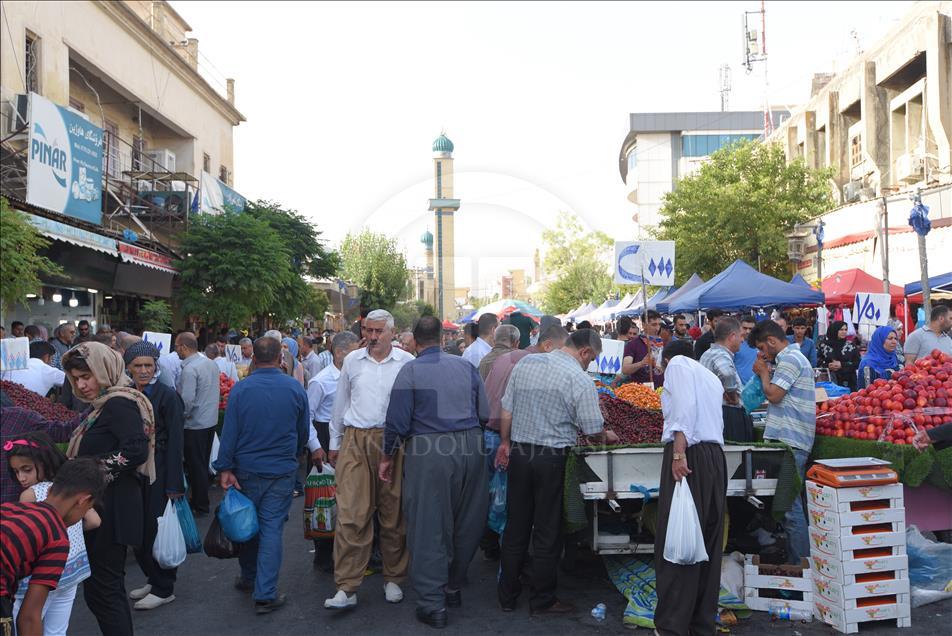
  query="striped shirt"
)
[
  {"x": 33, "y": 542},
  {"x": 793, "y": 420},
  {"x": 720, "y": 361},
  {"x": 551, "y": 399}
]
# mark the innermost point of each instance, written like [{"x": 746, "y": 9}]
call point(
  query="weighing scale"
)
[{"x": 852, "y": 472}]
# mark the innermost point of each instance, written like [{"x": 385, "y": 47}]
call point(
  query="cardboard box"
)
[
  {"x": 844, "y": 572},
  {"x": 847, "y": 621},
  {"x": 843, "y": 522},
  {"x": 760, "y": 604},
  {"x": 829, "y": 544},
  {"x": 826, "y": 498},
  {"x": 847, "y": 595},
  {"x": 795, "y": 578}
]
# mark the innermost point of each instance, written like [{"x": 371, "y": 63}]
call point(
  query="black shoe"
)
[
  {"x": 454, "y": 599},
  {"x": 243, "y": 585},
  {"x": 266, "y": 607},
  {"x": 507, "y": 607},
  {"x": 435, "y": 619}
]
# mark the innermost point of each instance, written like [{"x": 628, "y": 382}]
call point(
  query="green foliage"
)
[
  {"x": 375, "y": 264},
  {"x": 156, "y": 315},
  {"x": 579, "y": 262},
  {"x": 309, "y": 256},
  {"x": 20, "y": 265},
  {"x": 739, "y": 205},
  {"x": 405, "y": 314}
]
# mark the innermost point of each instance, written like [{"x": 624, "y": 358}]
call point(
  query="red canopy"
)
[
  {"x": 841, "y": 288},
  {"x": 448, "y": 326}
]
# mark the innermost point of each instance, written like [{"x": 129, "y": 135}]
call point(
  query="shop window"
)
[
  {"x": 32, "y": 63},
  {"x": 206, "y": 163}
]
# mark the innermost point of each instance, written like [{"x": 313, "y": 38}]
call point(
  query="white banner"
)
[
  {"x": 14, "y": 354},
  {"x": 871, "y": 309},
  {"x": 233, "y": 353},
  {"x": 161, "y": 340},
  {"x": 609, "y": 360},
  {"x": 651, "y": 260}
]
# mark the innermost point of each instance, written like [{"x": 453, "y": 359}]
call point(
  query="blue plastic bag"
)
[
  {"x": 193, "y": 542},
  {"x": 752, "y": 394},
  {"x": 833, "y": 390},
  {"x": 498, "y": 487},
  {"x": 238, "y": 517}
]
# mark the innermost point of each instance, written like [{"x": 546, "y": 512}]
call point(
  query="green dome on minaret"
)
[
  {"x": 427, "y": 239},
  {"x": 443, "y": 144}
]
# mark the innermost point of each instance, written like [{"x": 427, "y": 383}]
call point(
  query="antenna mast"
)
[
  {"x": 725, "y": 76},
  {"x": 755, "y": 50}
]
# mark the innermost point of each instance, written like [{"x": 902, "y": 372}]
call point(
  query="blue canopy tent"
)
[
  {"x": 940, "y": 283},
  {"x": 692, "y": 283},
  {"x": 740, "y": 286},
  {"x": 585, "y": 308},
  {"x": 470, "y": 317},
  {"x": 636, "y": 308},
  {"x": 800, "y": 280}
]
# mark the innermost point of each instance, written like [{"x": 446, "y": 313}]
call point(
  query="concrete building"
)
[
  {"x": 661, "y": 148},
  {"x": 514, "y": 285},
  {"x": 884, "y": 126},
  {"x": 443, "y": 251},
  {"x": 130, "y": 74}
]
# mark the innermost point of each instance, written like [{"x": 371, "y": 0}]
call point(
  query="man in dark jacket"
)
[{"x": 524, "y": 324}]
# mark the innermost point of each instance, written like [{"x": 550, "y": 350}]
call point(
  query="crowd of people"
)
[{"x": 419, "y": 434}]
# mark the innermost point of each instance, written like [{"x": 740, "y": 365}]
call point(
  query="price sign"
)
[
  {"x": 871, "y": 309},
  {"x": 14, "y": 354},
  {"x": 162, "y": 341},
  {"x": 609, "y": 360},
  {"x": 233, "y": 353}
]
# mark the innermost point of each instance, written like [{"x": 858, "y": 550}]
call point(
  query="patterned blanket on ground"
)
[{"x": 634, "y": 576}]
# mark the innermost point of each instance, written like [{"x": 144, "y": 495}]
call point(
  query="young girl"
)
[{"x": 33, "y": 461}]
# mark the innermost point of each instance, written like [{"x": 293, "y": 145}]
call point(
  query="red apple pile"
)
[{"x": 918, "y": 396}]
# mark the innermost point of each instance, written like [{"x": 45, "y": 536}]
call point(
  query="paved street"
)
[{"x": 207, "y": 604}]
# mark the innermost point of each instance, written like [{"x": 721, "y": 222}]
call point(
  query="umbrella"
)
[
  {"x": 506, "y": 306},
  {"x": 448, "y": 326}
]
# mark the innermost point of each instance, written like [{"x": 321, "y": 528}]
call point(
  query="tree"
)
[
  {"x": 20, "y": 264},
  {"x": 740, "y": 204},
  {"x": 234, "y": 267},
  {"x": 405, "y": 314},
  {"x": 578, "y": 260},
  {"x": 373, "y": 262},
  {"x": 156, "y": 315}
]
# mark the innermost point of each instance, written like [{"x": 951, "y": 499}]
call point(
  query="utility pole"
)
[
  {"x": 885, "y": 245},
  {"x": 725, "y": 77}
]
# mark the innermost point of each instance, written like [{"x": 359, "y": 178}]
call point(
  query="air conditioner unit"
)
[
  {"x": 19, "y": 111},
  {"x": 910, "y": 168},
  {"x": 164, "y": 159},
  {"x": 853, "y": 191}
]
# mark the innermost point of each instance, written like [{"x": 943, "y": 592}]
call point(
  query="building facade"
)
[
  {"x": 155, "y": 143},
  {"x": 661, "y": 148},
  {"x": 884, "y": 127}
]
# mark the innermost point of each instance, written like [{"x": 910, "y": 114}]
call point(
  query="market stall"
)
[
  {"x": 840, "y": 288},
  {"x": 637, "y": 308},
  {"x": 800, "y": 280},
  {"x": 662, "y": 304}
]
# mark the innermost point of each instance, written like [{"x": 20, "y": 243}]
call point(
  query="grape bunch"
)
[
  {"x": 27, "y": 399},
  {"x": 633, "y": 425}
]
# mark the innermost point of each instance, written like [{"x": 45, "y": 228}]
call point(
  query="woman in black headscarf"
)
[{"x": 839, "y": 355}]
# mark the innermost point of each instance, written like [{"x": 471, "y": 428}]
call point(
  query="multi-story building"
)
[
  {"x": 884, "y": 127},
  {"x": 661, "y": 148},
  {"x": 514, "y": 285},
  {"x": 111, "y": 135}
]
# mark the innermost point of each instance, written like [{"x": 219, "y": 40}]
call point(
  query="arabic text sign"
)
[
  {"x": 609, "y": 360},
  {"x": 233, "y": 353},
  {"x": 871, "y": 309},
  {"x": 650, "y": 261},
  {"x": 161, "y": 340},
  {"x": 14, "y": 354}
]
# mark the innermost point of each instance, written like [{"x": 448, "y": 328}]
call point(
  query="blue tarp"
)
[
  {"x": 799, "y": 280},
  {"x": 692, "y": 283},
  {"x": 942, "y": 281},
  {"x": 740, "y": 286}
]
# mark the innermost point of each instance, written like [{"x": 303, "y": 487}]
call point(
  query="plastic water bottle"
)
[
  {"x": 783, "y": 612},
  {"x": 598, "y": 612}
]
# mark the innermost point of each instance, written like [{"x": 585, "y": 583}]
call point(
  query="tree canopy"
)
[
  {"x": 740, "y": 204},
  {"x": 20, "y": 264},
  {"x": 375, "y": 264},
  {"x": 578, "y": 261}
]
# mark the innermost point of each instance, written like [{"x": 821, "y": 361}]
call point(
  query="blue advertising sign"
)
[
  {"x": 64, "y": 169},
  {"x": 218, "y": 197}
]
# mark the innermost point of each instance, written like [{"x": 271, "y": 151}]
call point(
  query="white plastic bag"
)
[
  {"x": 213, "y": 455},
  {"x": 169, "y": 548},
  {"x": 684, "y": 542}
]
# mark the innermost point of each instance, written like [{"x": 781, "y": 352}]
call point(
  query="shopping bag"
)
[
  {"x": 320, "y": 503},
  {"x": 752, "y": 395},
  {"x": 238, "y": 517},
  {"x": 498, "y": 487},
  {"x": 193, "y": 541},
  {"x": 684, "y": 542},
  {"x": 216, "y": 544},
  {"x": 213, "y": 455},
  {"x": 169, "y": 547}
]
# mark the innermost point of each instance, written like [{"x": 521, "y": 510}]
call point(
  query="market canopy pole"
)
[{"x": 919, "y": 220}]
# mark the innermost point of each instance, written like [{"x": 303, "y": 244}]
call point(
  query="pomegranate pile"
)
[
  {"x": 27, "y": 399},
  {"x": 916, "y": 397}
]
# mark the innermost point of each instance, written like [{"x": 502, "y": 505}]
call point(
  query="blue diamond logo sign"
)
[
  {"x": 652, "y": 267},
  {"x": 668, "y": 268}
]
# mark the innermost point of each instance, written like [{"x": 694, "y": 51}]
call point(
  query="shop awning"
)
[
  {"x": 147, "y": 258},
  {"x": 73, "y": 235}
]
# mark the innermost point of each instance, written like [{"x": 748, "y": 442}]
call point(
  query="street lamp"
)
[{"x": 797, "y": 243}]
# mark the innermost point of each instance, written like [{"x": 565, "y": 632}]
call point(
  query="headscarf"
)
[
  {"x": 107, "y": 367},
  {"x": 292, "y": 345},
  {"x": 877, "y": 358},
  {"x": 140, "y": 349},
  {"x": 832, "y": 334}
]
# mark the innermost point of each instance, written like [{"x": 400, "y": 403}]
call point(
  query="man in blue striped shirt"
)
[{"x": 791, "y": 414}]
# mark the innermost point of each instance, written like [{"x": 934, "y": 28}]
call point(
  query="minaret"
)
[
  {"x": 429, "y": 284},
  {"x": 444, "y": 206}
]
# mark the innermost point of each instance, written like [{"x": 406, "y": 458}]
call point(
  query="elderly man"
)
[
  {"x": 62, "y": 341},
  {"x": 483, "y": 344},
  {"x": 719, "y": 360},
  {"x": 548, "y": 401},
  {"x": 505, "y": 339},
  {"x": 693, "y": 439},
  {"x": 321, "y": 390},
  {"x": 247, "y": 350},
  {"x": 312, "y": 365},
  {"x": 436, "y": 408},
  {"x": 198, "y": 387},
  {"x": 266, "y": 426},
  {"x": 356, "y": 440}
]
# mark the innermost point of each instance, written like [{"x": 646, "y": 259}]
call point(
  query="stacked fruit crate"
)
[{"x": 858, "y": 552}]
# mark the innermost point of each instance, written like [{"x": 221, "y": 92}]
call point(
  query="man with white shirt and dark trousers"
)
[
  {"x": 693, "y": 436},
  {"x": 355, "y": 448},
  {"x": 483, "y": 344},
  {"x": 321, "y": 390},
  {"x": 38, "y": 376}
]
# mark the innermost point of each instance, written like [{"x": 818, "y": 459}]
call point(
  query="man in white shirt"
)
[
  {"x": 484, "y": 343},
  {"x": 693, "y": 436},
  {"x": 312, "y": 365},
  {"x": 355, "y": 448},
  {"x": 226, "y": 366},
  {"x": 38, "y": 376}
]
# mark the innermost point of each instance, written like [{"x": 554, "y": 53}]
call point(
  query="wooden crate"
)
[
  {"x": 845, "y": 572},
  {"x": 848, "y": 620}
]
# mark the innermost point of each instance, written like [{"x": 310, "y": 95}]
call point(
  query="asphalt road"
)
[{"x": 206, "y": 603}]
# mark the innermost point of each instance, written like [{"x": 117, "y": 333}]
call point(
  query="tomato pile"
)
[
  {"x": 224, "y": 388},
  {"x": 639, "y": 395},
  {"x": 27, "y": 399},
  {"x": 633, "y": 425},
  {"x": 918, "y": 396}
]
